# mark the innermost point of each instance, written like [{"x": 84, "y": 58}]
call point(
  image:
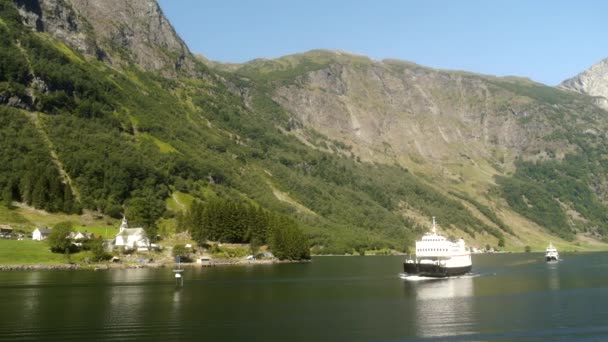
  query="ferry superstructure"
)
[
  {"x": 436, "y": 256},
  {"x": 551, "y": 253}
]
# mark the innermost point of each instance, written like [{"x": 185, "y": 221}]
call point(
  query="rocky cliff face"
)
[
  {"x": 115, "y": 31},
  {"x": 593, "y": 82},
  {"x": 59, "y": 18},
  {"x": 398, "y": 111}
]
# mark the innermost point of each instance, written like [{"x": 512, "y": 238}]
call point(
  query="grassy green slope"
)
[{"x": 28, "y": 252}]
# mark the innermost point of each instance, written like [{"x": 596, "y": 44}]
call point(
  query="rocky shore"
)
[
  {"x": 108, "y": 266},
  {"x": 39, "y": 267}
]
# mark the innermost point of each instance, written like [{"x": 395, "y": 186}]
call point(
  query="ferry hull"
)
[
  {"x": 436, "y": 271},
  {"x": 551, "y": 258}
]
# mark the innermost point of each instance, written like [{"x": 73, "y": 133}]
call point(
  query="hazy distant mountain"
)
[{"x": 360, "y": 152}]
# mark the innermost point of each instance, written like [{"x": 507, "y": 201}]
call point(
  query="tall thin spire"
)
[
  {"x": 434, "y": 227},
  {"x": 124, "y": 225}
]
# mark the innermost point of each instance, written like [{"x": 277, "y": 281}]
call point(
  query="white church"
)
[{"x": 132, "y": 238}]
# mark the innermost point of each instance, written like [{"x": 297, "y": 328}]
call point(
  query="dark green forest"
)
[
  {"x": 541, "y": 191},
  {"x": 233, "y": 222}
]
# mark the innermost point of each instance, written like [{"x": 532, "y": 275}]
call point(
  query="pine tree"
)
[{"x": 68, "y": 199}]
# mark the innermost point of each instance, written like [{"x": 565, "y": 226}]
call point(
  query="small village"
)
[{"x": 131, "y": 247}]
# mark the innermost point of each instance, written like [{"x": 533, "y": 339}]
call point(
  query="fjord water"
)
[{"x": 509, "y": 297}]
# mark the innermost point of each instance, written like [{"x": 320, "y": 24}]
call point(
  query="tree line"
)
[{"x": 233, "y": 222}]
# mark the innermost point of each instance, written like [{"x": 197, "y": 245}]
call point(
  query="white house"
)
[
  {"x": 80, "y": 236},
  {"x": 131, "y": 238},
  {"x": 40, "y": 234}
]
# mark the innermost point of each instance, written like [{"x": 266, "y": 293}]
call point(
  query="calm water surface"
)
[{"x": 510, "y": 297}]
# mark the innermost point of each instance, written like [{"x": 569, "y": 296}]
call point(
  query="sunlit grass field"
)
[{"x": 28, "y": 252}]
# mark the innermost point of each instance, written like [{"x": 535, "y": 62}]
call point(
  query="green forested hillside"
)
[
  {"x": 126, "y": 139},
  {"x": 77, "y": 134}
]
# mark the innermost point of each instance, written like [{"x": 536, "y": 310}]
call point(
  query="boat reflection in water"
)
[{"x": 444, "y": 307}]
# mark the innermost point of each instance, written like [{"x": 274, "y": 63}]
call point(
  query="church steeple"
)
[{"x": 124, "y": 225}]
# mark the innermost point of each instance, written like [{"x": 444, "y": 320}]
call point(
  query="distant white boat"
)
[
  {"x": 551, "y": 253},
  {"x": 438, "y": 257}
]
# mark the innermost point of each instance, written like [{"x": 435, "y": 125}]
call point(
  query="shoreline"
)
[
  {"x": 216, "y": 263},
  {"x": 125, "y": 266}
]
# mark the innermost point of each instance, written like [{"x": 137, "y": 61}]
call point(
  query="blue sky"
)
[{"x": 547, "y": 41}]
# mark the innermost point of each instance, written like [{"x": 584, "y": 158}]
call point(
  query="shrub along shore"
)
[{"x": 110, "y": 266}]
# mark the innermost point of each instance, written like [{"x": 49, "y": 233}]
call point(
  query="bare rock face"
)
[
  {"x": 593, "y": 82},
  {"x": 117, "y": 31},
  {"x": 390, "y": 110},
  {"x": 58, "y": 18}
]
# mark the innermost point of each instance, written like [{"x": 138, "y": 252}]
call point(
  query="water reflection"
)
[
  {"x": 332, "y": 299},
  {"x": 175, "y": 305},
  {"x": 31, "y": 300},
  {"x": 127, "y": 300},
  {"x": 553, "y": 275},
  {"x": 444, "y": 306}
]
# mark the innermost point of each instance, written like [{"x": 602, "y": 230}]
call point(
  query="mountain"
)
[
  {"x": 395, "y": 111},
  {"x": 462, "y": 132},
  {"x": 103, "y": 111},
  {"x": 592, "y": 82},
  {"x": 115, "y": 31}
]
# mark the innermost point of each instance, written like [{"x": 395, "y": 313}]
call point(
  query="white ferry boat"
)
[
  {"x": 436, "y": 256},
  {"x": 551, "y": 253}
]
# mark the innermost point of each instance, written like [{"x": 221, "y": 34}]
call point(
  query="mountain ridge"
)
[
  {"x": 591, "y": 82},
  {"x": 106, "y": 30}
]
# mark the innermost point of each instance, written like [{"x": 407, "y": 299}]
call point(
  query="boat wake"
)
[{"x": 410, "y": 277}]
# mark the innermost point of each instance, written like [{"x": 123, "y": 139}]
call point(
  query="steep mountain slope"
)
[
  {"x": 125, "y": 139},
  {"x": 593, "y": 82},
  {"x": 416, "y": 111},
  {"x": 121, "y": 117},
  {"x": 115, "y": 31},
  {"x": 460, "y": 131}
]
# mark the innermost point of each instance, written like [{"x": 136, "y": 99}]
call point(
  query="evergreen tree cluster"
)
[
  {"x": 542, "y": 190},
  {"x": 233, "y": 222},
  {"x": 14, "y": 70},
  {"x": 27, "y": 172}
]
